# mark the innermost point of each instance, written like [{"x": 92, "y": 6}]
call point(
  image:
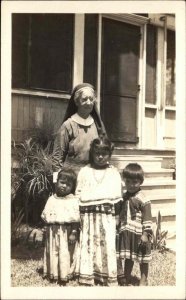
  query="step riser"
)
[
  {"x": 158, "y": 176},
  {"x": 163, "y": 202},
  {"x": 158, "y": 190},
  {"x": 164, "y": 208},
  {"x": 171, "y": 244},
  {"x": 166, "y": 220},
  {"x": 171, "y": 223},
  {"x": 167, "y": 226},
  {"x": 145, "y": 164},
  {"x": 151, "y": 193},
  {"x": 155, "y": 176}
]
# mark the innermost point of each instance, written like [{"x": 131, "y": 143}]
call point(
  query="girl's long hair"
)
[{"x": 102, "y": 142}]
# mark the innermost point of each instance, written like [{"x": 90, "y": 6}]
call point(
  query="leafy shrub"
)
[
  {"x": 35, "y": 165},
  {"x": 16, "y": 226},
  {"x": 43, "y": 133}
]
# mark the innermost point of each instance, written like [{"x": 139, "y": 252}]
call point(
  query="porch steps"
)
[
  {"x": 159, "y": 187},
  {"x": 158, "y": 174},
  {"x": 150, "y": 162}
]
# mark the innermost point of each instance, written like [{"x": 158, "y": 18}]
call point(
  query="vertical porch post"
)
[{"x": 78, "y": 48}]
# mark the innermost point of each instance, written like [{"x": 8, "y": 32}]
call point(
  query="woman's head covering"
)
[{"x": 72, "y": 108}]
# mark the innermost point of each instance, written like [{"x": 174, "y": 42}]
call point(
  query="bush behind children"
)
[{"x": 90, "y": 228}]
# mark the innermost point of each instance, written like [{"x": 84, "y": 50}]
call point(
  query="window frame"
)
[{"x": 27, "y": 87}]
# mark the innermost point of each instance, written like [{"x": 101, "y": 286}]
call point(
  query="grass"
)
[{"x": 26, "y": 268}]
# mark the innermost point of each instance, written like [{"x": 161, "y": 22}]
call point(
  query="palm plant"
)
[
  {"x": 17, "y": 218},
  {"x": 43, "y": 133},
  {"x": 36, "y": 168}
]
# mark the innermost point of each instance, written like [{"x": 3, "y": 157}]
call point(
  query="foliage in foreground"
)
[{"x": 159, "y": 236}]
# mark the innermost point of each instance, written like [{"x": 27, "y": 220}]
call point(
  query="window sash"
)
[
  {"x": 42, "y": 52},
  {"x": 170, "y": 69},
  {"x": 151, "y": 61}
]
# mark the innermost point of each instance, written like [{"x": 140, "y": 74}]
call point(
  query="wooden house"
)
[{"x": 130, "y": 59}]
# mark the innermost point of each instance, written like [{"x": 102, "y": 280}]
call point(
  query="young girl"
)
[
  {"x": 61, "y": 215},
  {"x": 99, "y": 189},
  {"x": 135, "y": 228}
]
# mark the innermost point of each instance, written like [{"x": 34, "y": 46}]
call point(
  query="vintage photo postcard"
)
[{"x": 93, "y": 139}]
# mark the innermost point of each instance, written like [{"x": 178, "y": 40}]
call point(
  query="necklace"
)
[{"x": 99, "y": 175}]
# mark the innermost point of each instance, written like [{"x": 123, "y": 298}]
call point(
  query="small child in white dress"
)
[{"x": 61, "y": 216}]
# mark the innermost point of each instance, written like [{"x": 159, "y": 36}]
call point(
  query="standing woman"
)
[{"x": 81, "y": 125}]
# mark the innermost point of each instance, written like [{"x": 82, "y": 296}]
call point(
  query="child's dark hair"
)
[
  {"x": 69, "y": 175},
  {"x": 102, "y": 142},
  {"x": 133, "y": 171}
]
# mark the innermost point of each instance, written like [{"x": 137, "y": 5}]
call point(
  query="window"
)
[
  {"x": 151, "y": 58},
  {"x": 42, "y": 51},
  {"x": 170, "y": 69}
]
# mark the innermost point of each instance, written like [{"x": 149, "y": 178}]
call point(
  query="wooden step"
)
[
  {"x": 159, "y": 174},
  {"x": 170, "y": 227},
  {"x": 167, "y": 224},
  {"x": 154, "y": 187},
  {"x": 171, "y": 244},
  {"x": 168, "y": 211},
  {"x": 166, "y": 221},
  {"x": 164, "y": 208},
  {"x": 162, "y": 199},
  {"x": 171, "y": 235},
  {"x": 120, "y": 161},
  {"x": 120, "y": 150},
  {"x": 159, "y": 198},
  {"x": 155, "y": 182}
]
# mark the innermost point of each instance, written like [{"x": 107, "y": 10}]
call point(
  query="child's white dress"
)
[
  {"x": 99, "y": 192},
  {"x": 61, "y": 216}
]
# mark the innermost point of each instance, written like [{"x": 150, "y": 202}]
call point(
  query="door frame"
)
[{"x": 141, "y": 22}]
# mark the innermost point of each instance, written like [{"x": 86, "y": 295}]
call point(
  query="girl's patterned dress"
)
[
  {"x": 61, "y": 216},
  {"x": 99, "y": 192},
  {"x": 135, "y": 218}
]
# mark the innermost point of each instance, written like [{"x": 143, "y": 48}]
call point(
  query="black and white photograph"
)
[{"x": 93, "y": 150}]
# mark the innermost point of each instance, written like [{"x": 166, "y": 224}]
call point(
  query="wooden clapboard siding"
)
[
  {"x": 20, "y": 120},
  {"x": 56, "y": 113},
  {"x": 31, "y": 112},
  {"x": 28, "y": 111},
  {"x": 14, "y": 116}
]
